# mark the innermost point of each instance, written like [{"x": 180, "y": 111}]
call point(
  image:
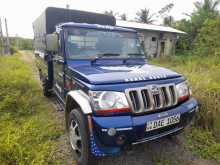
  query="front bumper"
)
[{"x": 132, "y": 128}]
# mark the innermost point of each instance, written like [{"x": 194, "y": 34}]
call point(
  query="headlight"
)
[
  {"x": 183, "y": 91},
  {"x": 109, "y": 102}
]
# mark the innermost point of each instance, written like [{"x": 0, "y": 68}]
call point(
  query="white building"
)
[{"x": 157, "y": 40}]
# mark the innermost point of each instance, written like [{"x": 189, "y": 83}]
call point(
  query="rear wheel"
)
[
  {"x": 46, "y": 89},
  {"x": 79, "y": 138}
]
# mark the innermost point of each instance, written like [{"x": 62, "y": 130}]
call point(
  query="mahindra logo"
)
[{"x": 154, "y": 90}]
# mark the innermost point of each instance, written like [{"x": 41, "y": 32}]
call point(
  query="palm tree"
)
[
  {"x": 123, "y": 17},
  {"x": 168, "y": 21},
  {"x": 205, "y": 9},
  {"x": 207, "y": 5},
  {"x": 144, "y": 16},
  {"x": 111, "y": 13}
]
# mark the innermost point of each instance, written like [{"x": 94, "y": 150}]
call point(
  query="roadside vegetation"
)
[
  {"x": 28, "y": 128},
  {"x": 198, "y": 58},
  {"x": 203, "y": 75}
]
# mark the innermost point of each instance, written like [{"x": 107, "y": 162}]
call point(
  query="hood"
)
[{"x": 98, "y": 74}]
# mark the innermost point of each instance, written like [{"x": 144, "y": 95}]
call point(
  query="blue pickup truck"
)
[{"x": 112, "y": 97}]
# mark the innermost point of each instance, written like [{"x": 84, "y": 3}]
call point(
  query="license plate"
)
[{"x": 156, "y": 124}]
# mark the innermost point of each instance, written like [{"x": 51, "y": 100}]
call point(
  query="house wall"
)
[{"x": 158, "y": 44}]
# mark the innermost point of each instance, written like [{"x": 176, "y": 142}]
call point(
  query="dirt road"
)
[{"x": 166, "y": 151}]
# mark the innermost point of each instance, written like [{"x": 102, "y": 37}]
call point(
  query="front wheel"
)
[{"x": 79, "y": 138}]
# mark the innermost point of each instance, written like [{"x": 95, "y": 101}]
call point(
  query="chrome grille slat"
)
[
  {"x": 135, "y": 101},
  {"x": 168, "y": 96},
  {"x": 152, "y": 97}
]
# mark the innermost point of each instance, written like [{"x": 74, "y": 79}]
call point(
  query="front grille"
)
[{"x": 152, "y": 97}]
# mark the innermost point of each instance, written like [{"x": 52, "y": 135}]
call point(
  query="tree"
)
[
  {"x": 185, "y": 41},
  {"x": 111, "y": 13},
  {"x": 168, "y": 21},
  {"x": 204, "y": 10},
  {"x": 206, "y": 42},
  {"x": 123, "y": 17},
  {"x": 165, "y": 10},
  {"x": 207, "y": 5},
  {"x": 144, "y": 16}
]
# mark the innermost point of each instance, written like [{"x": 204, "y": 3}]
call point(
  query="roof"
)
[
  {"x": 95, "y": 26},
  {"x": 143, "y": 26}
]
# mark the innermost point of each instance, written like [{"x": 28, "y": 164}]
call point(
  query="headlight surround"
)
[
  {"x": 109, "y": 101},
  {"x": 183, "y": 91}
]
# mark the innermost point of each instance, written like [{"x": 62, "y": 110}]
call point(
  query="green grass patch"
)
[
  {"x": 28, "y": 128},
  {"x": 203, "y": 74},
  {"x": 203, "y": 143}
]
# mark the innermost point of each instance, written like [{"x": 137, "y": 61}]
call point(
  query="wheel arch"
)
[{"x": 77, "y": 100}]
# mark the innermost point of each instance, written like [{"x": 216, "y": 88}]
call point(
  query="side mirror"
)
[{"x": 52, "y": 42}]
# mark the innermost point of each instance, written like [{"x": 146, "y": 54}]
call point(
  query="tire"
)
[
  {"x": 46, "y": 89},
  {"x": 79, "y": 138}
]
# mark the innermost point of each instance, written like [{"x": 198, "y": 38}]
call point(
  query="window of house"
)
[{"x": 154, "y": 39}]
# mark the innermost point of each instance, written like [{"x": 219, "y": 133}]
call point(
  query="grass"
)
[
  {"x": 203, "y": 74},
  {"x": 28, "y": 128},
  {"x": 203, "y": 143}
]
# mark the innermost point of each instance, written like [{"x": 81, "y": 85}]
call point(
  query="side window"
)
[
  {"x": 82, "y": 42},
  {"x": 81, "y": 45}
]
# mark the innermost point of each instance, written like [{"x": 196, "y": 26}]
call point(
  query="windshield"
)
[{"x": 92, "y": 43}]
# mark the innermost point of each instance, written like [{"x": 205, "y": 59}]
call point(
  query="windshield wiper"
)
[
  {"x": 135, "y": 54},
  {"x": 107, "y": 55}
]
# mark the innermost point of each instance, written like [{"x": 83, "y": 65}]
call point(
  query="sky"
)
[{"x": 21, "y": 13}]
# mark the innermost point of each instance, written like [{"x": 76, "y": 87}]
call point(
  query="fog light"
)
[
  {"x": 120, "y": 140},
  {"x": 112, "y": 131}
]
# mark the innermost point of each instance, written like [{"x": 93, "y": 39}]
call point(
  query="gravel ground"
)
[{"x": 165, "y": 151}]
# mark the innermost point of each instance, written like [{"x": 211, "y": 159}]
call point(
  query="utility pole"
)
[
  {"x": 1, "y": 39},
  {"x": 7, "y": 38}
]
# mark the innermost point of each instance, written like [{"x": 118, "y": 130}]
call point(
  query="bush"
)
[
  {"x": 203, "y": 143},
  {"x": 28, "y": 129},
  {"x": 207, "y": 41},
  {"x": 13, "y": 50},
  {"x": 203, "y": 75}
]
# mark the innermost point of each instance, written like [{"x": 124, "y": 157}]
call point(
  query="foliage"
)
[
  {"x": 28, "y": 129},
  {"x": 165, "y": 10},
  {"x": 206, "y": 41},
  {"x": 13, "y": 50},
  {"x": 144, "y": 16},
  {"x": 21, "y": 43},
  {"x": 203, "y": 74},
  {"x": 185, "y": 41},
  {"x": 168, "y": 21},
  {"x": 111, "y": 13},
  {"x": 207, "y": 7},
  {"x": 203, "y": 143},
  {"x": 123, "y": 17},
  {"x": 205, "y": 10}
]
